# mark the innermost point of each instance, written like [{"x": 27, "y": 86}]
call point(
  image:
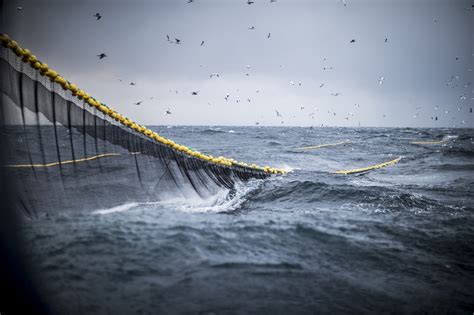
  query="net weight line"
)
[{"x": 95, "y": 157}]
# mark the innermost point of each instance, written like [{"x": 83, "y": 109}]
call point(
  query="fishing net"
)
[{"x": 66, "y": 150}]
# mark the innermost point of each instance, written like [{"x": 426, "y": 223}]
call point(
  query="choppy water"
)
[{"x": 394, "y": 240}]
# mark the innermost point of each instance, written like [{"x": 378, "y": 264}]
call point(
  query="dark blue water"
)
[{"x": 394, "y": 240}]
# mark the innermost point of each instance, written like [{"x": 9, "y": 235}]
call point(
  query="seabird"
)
[
  {"x": 195, "y": 93},
  {"x": 269, "y": 34},
  {"x": 133, "y": 83},
  {"x": 352, "y": 41},
  {"x": 301, "y": 107},
  {"x": 138, "y": 103},
  {"x": 97, "y": 16},
  {"x": 250, "y": 2},
  {"x": 202, "y": 43},
  {"x": 168, "y": 112},
  {"x": 322, "y": 84},
  {"x": 381, "y": 80},
  {"x": 19, "y": 8},
  {"x": 168, "y": 38},
  {"x": 214, "y": 75},
  {"x": 177, "y": 40},
  {"x": 251, "y": 28},
  {"x": 101, "y": 55},
  {"x": 227, "y": 97},
  {"x": 248, "y": 100},
  {"x": 386, "y": 40},
  {"x": 335, "y": 94},
  {"x": 278, "y": 113}
]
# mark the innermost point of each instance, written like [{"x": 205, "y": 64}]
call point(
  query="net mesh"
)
[{"x": 66, "y": 154}]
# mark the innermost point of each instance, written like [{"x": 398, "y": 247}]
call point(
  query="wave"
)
[
  {"x": 380, "y": 197},
  {"x": 224, "y": 201},
  {"x": 458, "y": 152},
  {"x": 274, "y": 143},
  {"x": 211, "y": 131},
  {"x": 119, "y": 208},
  {"x": 252, "y": 265},
  {"x": 455, "y": 167}
]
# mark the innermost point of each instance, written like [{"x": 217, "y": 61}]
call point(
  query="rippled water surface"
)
[{"x": 397, "y": 239}]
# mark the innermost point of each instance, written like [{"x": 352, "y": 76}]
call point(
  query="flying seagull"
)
[
  {"x": 177, "y": 40},
  {"x": 214, "y": 75},
  {"x": 138, "y": 103},
  {"x": 278, "y": 113},
  {"x": 386, "y": 40},
  {"x": 168, "y": 38},
  {"x": 227, "y": 97},
  {"x": 101, "y": 55},
  {"x": 250, "y": 2},
  {"x": 133, "y": 83},
  {"x": 251, "y": 28},
  {"x": 97, "y": 16},
  {"x": 194, "y": 93},
  {"x": 168, "y": 112},
  {"x": 202, "y": 43},
  {"x": 381, "y": 80},
  {"x": 19, "y": 8},
  {"x": 352, "y": 41},
  {"x": 269, "y": 34}
]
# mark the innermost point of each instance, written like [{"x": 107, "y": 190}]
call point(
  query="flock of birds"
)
[{"x": 451, "y": 82}]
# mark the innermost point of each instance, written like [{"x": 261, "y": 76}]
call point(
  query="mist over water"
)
[{"x": 397, "y": 238}]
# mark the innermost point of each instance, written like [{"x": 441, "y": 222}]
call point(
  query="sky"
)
[{"x": 307, "y": 69}]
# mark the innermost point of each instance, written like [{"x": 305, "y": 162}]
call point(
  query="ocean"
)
[{"x": 398, "y": 239}]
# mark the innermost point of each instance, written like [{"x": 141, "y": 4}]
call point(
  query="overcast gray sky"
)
[{"x": 426, "y": 63}]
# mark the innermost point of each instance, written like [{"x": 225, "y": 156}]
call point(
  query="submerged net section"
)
[{"x": 67, "y": 150}]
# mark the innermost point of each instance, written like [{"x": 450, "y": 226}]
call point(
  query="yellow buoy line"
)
[
  {"x": 45, "y": 70},
  {"x": 360, "y": 170},
  {"x": 322, "y": 145}
]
